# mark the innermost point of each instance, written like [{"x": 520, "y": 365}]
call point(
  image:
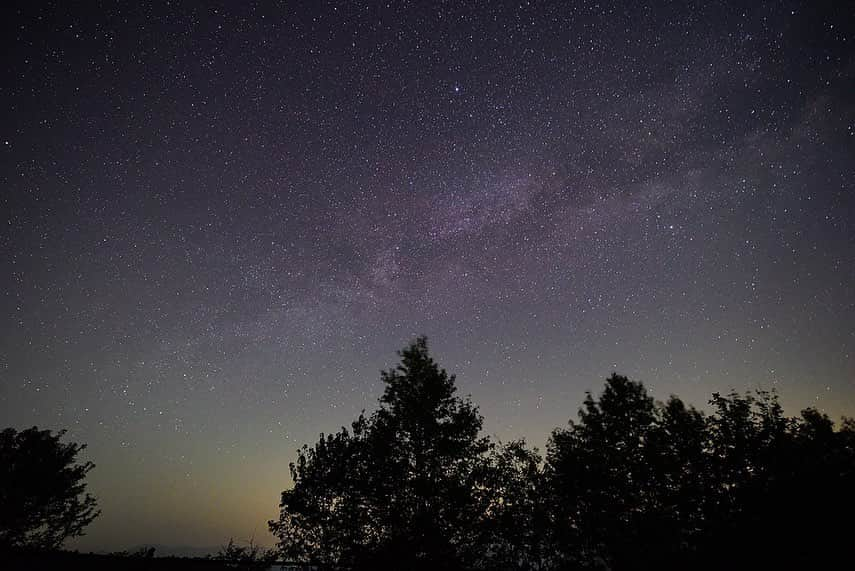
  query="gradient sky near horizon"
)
[{"x": 220, "y": 221}]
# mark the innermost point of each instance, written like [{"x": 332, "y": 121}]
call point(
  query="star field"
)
[{"x": 219, "y": 222}]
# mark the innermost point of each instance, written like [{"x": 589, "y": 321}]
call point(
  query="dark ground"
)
[{"x": 69, "y": 560}]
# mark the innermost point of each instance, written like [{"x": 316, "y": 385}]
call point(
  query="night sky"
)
[{"x": 219, "y": 223}]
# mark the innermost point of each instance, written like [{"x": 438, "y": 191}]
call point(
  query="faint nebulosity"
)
[{"x": 220, "y": 221}]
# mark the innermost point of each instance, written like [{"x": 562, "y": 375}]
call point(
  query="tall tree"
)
[
  {"x": 675, "y": 450},
  {"x": 626, "y": 481},
  {"x": 600, "y": 474},
  {"x": 43, "y": 499},
  {"x": 400, "y": 489}
]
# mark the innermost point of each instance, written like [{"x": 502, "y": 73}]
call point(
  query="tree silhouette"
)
[
  {"x": 675, "y": 449},
  {"x": 330, "y": 516},
  {"x": 43, "y": 498},
  {"x": 400, "y": 488},
  {"x": 638, "y": 484},
  {"x": 632, "y": 484},
  {"x": 779, "y": 486},
  {"x": 602, "y": 479}
]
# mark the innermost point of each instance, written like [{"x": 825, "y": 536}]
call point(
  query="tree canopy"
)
[
  {"x": 43, "y": 499},
  {"x": 639, "y": 484},
  {"x": 399, "y": 487},
  {"x": 633, "y": 483}
]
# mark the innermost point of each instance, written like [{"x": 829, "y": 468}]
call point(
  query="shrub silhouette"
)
[{"x": 249, "y": 557}]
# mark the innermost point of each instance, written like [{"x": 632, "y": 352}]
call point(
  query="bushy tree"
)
[
  {"x": 779, "y": 487},
  {"x": 676, "y": 451},
  {"x": 331, "y": 516},
  {"x": 43, "y": 499},
  {"x": 639, "y": 484},
  {"x": 400, "y": 488},
  {"x": 601, "y": 477}
]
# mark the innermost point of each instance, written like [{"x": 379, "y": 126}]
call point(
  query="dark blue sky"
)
[{"x": 220, "y": 222}]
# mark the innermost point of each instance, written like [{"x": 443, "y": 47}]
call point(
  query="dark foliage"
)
[
  {"x": 637, "y": 484},
  {"x": 633, "y": 484},
  {"x": 515, "y": 524},
  {"x": 43, "y": 498},
  {"x": 400, "y": 488}
]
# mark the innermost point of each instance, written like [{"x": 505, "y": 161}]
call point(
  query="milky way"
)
[{"x": 220, "y": 222}]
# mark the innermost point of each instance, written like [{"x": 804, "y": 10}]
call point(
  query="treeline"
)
[{"x": 632, "y": 484}]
